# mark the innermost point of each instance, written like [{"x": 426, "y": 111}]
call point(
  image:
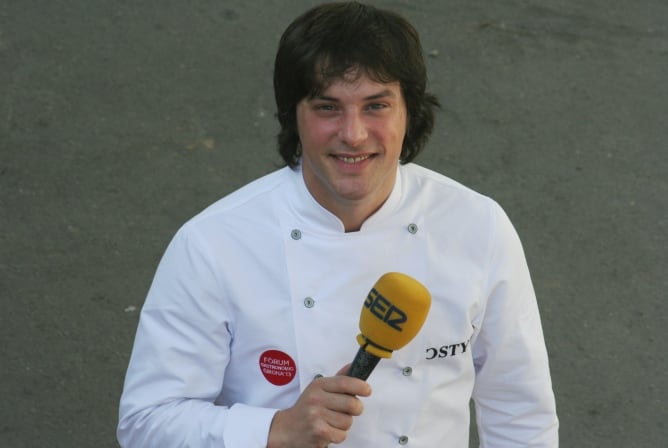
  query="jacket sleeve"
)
[
  {"x": 178, "y": 361},
  {"x": 514, "y": 401}
]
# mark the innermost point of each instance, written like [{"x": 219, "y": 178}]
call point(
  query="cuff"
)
[{"x": 247, "y": 426}]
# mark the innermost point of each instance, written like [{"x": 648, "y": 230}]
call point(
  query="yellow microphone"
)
[{"x": 392, "y": 315}]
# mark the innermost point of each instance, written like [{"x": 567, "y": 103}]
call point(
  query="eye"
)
[
  {"x": 376, "y": 106},
  {"x": 324, "y": 107}
]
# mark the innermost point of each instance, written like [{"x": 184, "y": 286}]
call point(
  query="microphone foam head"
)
[{"x": 393, "y": 313}]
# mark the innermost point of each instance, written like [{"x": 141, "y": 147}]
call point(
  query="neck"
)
[
  {"x": 353, "y": 217},
  {"x": 352, "y": 201},
  {"x": 354, "y": 212}
]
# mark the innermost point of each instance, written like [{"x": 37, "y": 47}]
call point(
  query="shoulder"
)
[
  {"x": 440, "y": 192},
  {"x": 460, "y": 216},
  {"x": 453, "y": 209},
  {"x": 254, "y": 202},
  {"x": 251, "y": 194}
]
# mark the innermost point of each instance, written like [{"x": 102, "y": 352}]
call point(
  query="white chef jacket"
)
[{"x": 263, "y": 290}]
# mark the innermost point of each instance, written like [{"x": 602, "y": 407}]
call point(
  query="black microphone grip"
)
[{"x": 363, "y": 364}]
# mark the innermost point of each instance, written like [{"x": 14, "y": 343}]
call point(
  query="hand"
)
[{"x": 322, "y": 415}]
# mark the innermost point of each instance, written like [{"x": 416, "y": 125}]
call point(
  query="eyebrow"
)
[{"x": 383, "y": 94}]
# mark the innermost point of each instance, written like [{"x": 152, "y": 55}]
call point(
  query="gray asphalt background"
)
[{"x": 119, "y": 120}]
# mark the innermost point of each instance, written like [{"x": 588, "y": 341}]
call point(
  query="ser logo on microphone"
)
[{"x": 384, "y": 310}]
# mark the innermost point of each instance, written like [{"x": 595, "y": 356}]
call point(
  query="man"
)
[{"x": 251, "y": 319}]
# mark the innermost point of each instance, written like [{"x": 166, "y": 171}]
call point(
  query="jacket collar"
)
[{"x": 313, "y": 215}]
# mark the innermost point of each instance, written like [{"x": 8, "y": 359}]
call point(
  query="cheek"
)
[
  {"x": 396, "y": 126},
  {"x": 300, "y": 123},
  {"x": 305, "y": 124},
  {"x": 393, "y": 134},
  {"x": 315, "y": 132},
  {"x": 402, "y": 130},
  {"x": 307, "y": 138}
]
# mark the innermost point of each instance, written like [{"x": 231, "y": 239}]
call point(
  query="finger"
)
[
  {"x": 337, "y": 421},
  {"x": 344, "y": 370},
  {"x": 337, "y": 435},
  {"x": 335, "y": 394},
  {"x": 345, "y": 404},
  {"x": 342, "y": 384}
]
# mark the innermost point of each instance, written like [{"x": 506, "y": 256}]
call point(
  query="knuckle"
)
[
  {"x": 354, "y": 406},
  {"x": 347, "y": 422},
  {"x": 321, "y": 431},
  {"x": 338, "y": 437},
  {"x": 358, "y": 408}
]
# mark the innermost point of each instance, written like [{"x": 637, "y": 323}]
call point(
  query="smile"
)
[{"x": 353, "y": 159}]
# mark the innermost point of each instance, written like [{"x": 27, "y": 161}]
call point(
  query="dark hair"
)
[{"x": 330, "y": 40}]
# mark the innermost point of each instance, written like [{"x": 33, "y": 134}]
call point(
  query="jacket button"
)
[
  {"x": 412, "y": 228},
  {"x": 403, "y": 440},
  {"x": 309, "y": 302},
  {"x": 296, "y": 234},
  {"x": 407, "y": 371}
]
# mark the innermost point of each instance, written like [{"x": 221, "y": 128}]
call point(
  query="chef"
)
[{"x": 249, "y": 325}]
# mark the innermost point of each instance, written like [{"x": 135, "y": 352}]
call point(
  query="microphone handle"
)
[{"x": 363, "y": 364}]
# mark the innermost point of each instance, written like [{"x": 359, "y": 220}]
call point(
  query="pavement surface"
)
[{"x": 120, "y": 120}]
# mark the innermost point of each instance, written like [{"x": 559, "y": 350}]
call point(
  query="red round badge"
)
[{"x": 277, "y": 367}]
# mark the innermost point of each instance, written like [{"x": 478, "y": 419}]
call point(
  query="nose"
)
[{"x": 353, "y": 129}]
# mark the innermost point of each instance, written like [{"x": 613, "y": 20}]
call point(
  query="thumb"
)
[{"x": 344, "y": 370}]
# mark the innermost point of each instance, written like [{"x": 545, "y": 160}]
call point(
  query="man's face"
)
[{"x": 351, "y": 136}]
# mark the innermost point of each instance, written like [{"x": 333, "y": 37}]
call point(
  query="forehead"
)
[
  {"x": 357, "y": 83},
  {"x": 325, "y": 73}
]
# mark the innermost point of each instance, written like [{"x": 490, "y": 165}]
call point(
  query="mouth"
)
[{"x": 353, "y": 160}]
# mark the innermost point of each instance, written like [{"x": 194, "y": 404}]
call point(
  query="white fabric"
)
[{"x": 233, "y": 283}]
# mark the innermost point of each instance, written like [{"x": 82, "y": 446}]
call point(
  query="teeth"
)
[{"x": 353, "y": 159}]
